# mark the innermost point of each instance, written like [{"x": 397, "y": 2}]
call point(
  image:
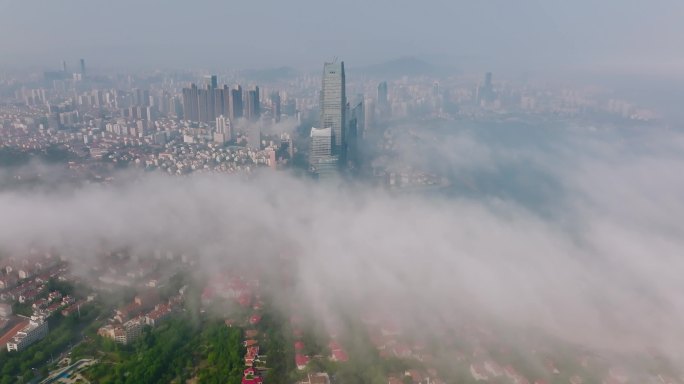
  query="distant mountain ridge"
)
[
  {"x": 403, "y": 66},
  {"x": 270, "y": 74}
]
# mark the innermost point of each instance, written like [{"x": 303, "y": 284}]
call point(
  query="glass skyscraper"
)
[
  {"x": 333, "y": 104},
  {"x": 323, "y": 164}
]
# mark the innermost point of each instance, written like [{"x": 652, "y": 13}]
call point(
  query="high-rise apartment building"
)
[
  {"x": 383, "y": 105},
  {"x": 203, "y": 104},
  {"x": 190, "y": 103},
  {"x": 252, "y": 104},
  {"x": 235, "y": 103},
  {"x": 223, "y": 132},
  {"x": 275, "y": 106}
]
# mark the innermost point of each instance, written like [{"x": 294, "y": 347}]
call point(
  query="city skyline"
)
[{"x": 392, "y": 225}]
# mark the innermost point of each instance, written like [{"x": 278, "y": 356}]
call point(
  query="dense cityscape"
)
[
  {"x": 366, "y": 192},
  {"x": 60, "y": 325},
  {"x": 179, "y": 124}
]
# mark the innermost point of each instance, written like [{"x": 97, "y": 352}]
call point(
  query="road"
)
[{"x": 66, "y": 372}]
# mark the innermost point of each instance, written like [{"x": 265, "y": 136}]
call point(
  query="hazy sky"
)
[{"x": 218, "y": 33}]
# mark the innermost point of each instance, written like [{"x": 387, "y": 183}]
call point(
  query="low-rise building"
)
[
  {"x": 125, "y": 333},
  {"x": 316, "y": 378},
  {"x": 159, "y": 314},
  {"x": 5, "y": 310},
  {"x": 37, "y": 329}
]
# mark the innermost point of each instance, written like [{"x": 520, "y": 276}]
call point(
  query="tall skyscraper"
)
[
  {"x": 83, "y": 69},
  {"x": 235, "y": 103},
  {"x": 355, "y": 128},
  {"x": 204, "y": 102},
  {"x": 226, "y": 101},
  {"x": 220, "y": 102},
  {"x": 252, "y": 104},
  {"x": 191, "y": 103},
  {"x": 214, "y": 82},
  {"x": 333, "y": 105},
  {"x": 275, "y": 103},
  {"x": 485, "y": 92},
  {"x": 369, "y": 116},
  {"x": 321, "y": 161},
  {"x": 383, "y": 101}
]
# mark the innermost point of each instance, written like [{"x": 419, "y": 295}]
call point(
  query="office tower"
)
[
  {"x": 252, "y": 104},
  {"x": 485, "y": 92},
  {"x": 333, "y": 105},
  {"x": 235, "y": 104},
  {"x": 382, "y": 93},
  {"x": 83, "y": 69},
  {"x": 355, "y": 128},
  {"x": 213, "y": 81},
  {"x": 322, "y": 163},
  {"x": 64, "y": 67},
  {"x": 275, "y": 101},
  {"x": 383, "y": 105},
  {"x": 435, "y": 89},
  {"x": 369, "y": 116}
]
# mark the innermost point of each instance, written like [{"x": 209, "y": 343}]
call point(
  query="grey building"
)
[
  {"x": 322, "y": 162},
  {"x": 333, "y": 105},
  {"x": 383, "y": 101}
]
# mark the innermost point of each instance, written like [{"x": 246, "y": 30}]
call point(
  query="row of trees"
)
[
  {"x": 161, "y": 356},
  {"x": 172, "y": 353},
  {"x": 277, "y": 345},
  {"x": 223, "y": 352}
]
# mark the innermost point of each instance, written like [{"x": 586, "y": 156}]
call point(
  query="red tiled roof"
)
[
  {"x": 10, "y": 334},
  {"x": 340, "y": 355},
  {"x": 333, "y": 345},
  {"x": 301, "y": 360}
]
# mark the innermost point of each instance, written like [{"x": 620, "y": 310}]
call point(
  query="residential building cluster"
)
[
  {"x": 146, "y": 309},
  {"x": 24, "y": 282},
  {"x": 35, "y": 330}
]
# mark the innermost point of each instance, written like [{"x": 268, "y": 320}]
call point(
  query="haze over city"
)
[
  {"x": 612, "y": 35},
  {"x": 301, "y": 192}
]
